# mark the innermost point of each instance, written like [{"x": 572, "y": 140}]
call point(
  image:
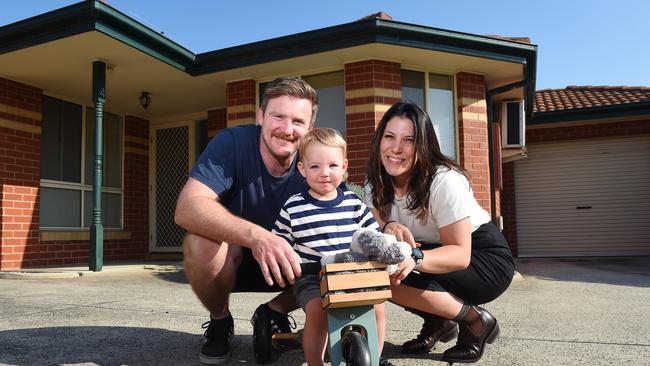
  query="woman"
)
[{"x": 421, "y": 196}]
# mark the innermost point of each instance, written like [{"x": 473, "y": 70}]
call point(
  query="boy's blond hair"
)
[{"x": 326, "y": 136}]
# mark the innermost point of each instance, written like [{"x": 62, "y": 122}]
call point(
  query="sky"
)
[{"x": 580, "y": 42}]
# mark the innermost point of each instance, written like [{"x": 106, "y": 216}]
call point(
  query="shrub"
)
[{"x": 356, "y": 189}]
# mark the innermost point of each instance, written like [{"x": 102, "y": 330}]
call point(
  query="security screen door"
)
[{"x": 172, "y": 162}]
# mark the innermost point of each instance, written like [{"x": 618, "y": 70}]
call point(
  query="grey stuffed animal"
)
[{"x": 371, "y": 245}]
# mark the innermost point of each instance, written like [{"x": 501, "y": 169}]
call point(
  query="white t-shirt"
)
[{"x": 450, "y": 200}]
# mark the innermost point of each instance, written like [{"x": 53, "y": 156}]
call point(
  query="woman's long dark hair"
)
[{"x": 428, "y": 158}]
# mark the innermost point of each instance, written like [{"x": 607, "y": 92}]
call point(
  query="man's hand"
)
[{"x": 276, "y": 257}]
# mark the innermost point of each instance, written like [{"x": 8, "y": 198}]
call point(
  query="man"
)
[{"x": 229, "y": 205}]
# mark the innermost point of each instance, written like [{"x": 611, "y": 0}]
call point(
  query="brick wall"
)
[
  {"x": 20, "y": 129},
  {"x": 136, "y": 193},
  {"x": 371, "y": 87},
  {"x": 240, "y": 102},
  {"x": 472, "y": 134},
  {"x": 550, "y": 132},
  {"x": 217, "y": 121}
]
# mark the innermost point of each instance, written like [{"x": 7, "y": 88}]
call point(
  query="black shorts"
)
[
  {"x": 250, "y": 279},
  {"x": 488, "y": 275}
]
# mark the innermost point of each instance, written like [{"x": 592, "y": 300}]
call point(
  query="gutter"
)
[
  {"x": 367, "y": 32},
  {"x": 529, "y": 84}
]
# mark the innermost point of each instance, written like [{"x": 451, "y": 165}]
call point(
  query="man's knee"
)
[{"x": 203, "y": 254}]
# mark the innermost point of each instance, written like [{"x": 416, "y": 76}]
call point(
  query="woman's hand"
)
[
  {"x": 403, "y": 270},
  {"x": 401, "y": 232}
]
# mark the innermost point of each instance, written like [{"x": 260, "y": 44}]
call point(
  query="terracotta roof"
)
[
  {"x": 577, "y": 97},
  {"x": 378, "y": 15}
]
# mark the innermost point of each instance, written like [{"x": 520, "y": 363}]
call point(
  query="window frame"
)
[
  {"x": 454, "y": 100},
  {"x": 302, "y": 75},
  {"x": 81, "y": 187}
]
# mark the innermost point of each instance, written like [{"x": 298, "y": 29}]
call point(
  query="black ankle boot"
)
[
  {"x": 469, "y": 347},
  {"x": 433, "y": 330}
]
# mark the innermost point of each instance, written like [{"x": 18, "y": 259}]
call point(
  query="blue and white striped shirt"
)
[{"x": 320, "y": 228}]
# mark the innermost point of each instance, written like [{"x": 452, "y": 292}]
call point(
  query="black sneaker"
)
[{"x": 218, "y": 333}]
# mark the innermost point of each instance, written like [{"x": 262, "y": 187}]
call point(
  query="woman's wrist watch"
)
[{"x": 418, "y": 256}]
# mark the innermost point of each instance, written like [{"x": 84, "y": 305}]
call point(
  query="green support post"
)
[{"x": 97, "y": 229}]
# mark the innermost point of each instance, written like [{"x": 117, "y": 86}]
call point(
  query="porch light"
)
[{"x": 145, "y": 99}]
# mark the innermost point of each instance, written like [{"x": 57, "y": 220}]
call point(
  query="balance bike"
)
[{"x": 350, "y": 291}]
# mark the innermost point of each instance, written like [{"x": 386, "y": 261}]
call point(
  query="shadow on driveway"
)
[
  {"x": 98, "y": 345},
  {"x": 171, "y": 272}
]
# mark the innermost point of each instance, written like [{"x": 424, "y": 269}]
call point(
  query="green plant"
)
[{"x": 356, "y": 189}]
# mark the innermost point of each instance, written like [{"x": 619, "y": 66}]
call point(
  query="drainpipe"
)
[
  {"x": 490, "y": 94},
  {"x": 96, "y": 255}
]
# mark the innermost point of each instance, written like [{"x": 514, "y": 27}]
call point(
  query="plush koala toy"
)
[{"x": 371, "y": 245}]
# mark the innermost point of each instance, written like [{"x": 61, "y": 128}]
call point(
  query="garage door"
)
[{"x": 587, "y": 197}]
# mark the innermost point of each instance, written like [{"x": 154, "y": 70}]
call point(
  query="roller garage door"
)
[{"x": 584, "y": 198}]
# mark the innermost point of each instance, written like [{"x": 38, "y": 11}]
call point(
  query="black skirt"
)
[{"x": 488, "y": 275}]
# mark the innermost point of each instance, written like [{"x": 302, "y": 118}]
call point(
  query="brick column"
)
[
  {"x": 20, "y": 148},
  {"x": 472, "y": 133},
  {"x": 136, "y": 193},
  {"x": 217, "y": 121},
  {"x": 371, "y": 87},
  {"x": 240, "y": 102}
]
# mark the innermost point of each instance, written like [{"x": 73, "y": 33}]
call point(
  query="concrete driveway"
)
[{"x": 557, "y": 312}]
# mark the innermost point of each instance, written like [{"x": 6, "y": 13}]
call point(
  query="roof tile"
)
[{"x": 577, "y": 97}]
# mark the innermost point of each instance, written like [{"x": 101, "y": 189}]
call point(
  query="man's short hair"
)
[{"x": 292, "y": 87}]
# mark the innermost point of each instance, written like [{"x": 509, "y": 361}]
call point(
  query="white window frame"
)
[{"x": 522, "y": 123}]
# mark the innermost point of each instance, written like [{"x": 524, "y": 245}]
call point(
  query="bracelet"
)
[{"x": 386, "y": 224}]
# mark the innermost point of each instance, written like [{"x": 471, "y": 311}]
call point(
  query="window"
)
[
  {"x": 331, "y": 99},
  {"x": 438, "y": 101},
  {"x": 513, "y": 123},
  {"x": 413, "y": 87},
  {"x": 67, "y": 166},
  {"x": 441, "y": 110}
]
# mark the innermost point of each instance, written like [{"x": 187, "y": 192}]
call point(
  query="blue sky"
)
[{"x": 581, "y": 42}]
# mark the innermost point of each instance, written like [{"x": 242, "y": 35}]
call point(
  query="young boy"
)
[{"x": 320, "y": 222}]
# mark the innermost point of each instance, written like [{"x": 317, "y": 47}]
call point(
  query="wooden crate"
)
[{"x": 333, "y": 280}]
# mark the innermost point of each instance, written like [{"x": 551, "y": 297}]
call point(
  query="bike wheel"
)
[
  {"x": 355, "y": 349},
  {"x": 262, "y": 342}
]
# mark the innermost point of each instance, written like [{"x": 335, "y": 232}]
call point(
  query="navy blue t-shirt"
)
[{"x": 232, "y": 167}]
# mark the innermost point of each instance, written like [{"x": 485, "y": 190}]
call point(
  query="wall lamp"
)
[{"x": 145, "y": 99}]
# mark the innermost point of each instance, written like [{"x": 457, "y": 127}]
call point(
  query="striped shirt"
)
[{"x": 320, "y": 228}]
